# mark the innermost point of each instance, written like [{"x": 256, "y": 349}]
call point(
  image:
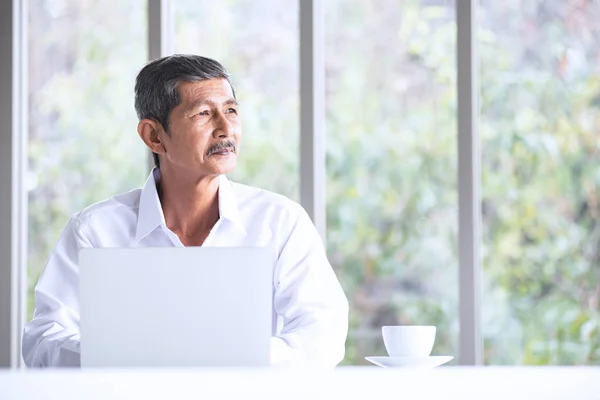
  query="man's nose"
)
[{"x": 223, "y": 128}]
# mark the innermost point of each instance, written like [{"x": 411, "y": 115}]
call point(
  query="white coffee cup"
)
[{"x": 408, "y": 340}]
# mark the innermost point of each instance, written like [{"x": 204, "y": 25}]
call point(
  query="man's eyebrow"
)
[{"x": 200, "y": 102}]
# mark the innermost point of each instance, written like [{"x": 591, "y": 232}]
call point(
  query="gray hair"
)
[{"x": 157, "y": 84}]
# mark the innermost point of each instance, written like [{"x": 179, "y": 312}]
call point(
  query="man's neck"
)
[{"x": 190, "y": 204}]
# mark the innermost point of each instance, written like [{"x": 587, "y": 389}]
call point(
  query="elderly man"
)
[{"x": 190, "y": 120}]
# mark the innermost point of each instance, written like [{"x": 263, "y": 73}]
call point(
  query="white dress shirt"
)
[{"x": 309, "y": 306}]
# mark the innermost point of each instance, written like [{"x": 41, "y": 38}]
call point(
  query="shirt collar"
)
[{"x": 150, "y": 213}]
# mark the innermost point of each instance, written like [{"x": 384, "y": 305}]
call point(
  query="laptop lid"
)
[{"x": 192, "y": 306}]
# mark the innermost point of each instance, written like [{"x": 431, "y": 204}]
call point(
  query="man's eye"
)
[
  {"x": 203, "y": 112},
  {"x": 232, "y": 110}
]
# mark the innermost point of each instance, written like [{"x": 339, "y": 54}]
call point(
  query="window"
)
[
  {"x": 83, "y": 143},
  {"x": 540, "y": 113},
  {"x": 391, "y": 167}
]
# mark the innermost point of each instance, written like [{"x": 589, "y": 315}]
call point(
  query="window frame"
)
[{"x": 13, "y": 167}]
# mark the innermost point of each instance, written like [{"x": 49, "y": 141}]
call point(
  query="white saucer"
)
[{"x": 409, "y": 362}]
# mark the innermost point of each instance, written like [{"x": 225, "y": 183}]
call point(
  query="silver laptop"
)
[{"x": 193, "y": 306}]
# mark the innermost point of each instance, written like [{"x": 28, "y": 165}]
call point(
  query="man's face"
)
[{"x": 205, "y": 129}]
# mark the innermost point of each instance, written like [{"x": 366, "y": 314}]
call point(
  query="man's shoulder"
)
[{"x": 120, "y": 206}]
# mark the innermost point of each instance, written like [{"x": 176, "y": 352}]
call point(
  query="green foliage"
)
[
  {"x": 83, "y": 144},
  {"x": 391, "y": 168},
  {"x": 539, "y": 129}
]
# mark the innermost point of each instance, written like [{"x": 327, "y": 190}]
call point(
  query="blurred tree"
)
[
  {"x": 83, "y": 144},
  {"x": 391, "y": 167},
  {"x": 540, "y": 88}
]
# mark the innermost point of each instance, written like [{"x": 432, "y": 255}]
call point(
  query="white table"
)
[{"x": 511, "y": 383}]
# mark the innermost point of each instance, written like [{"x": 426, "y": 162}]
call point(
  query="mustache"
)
[{"x": 221, "y": 146}]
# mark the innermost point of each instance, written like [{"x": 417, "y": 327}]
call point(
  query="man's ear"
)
[{"x": 149, "y": 133}]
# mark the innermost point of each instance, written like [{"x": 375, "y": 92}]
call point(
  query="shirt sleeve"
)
[
  {"x": 309, "y": 298},
  {"x": 51, "y": 338}
]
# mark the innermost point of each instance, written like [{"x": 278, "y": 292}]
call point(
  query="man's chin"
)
[{"x": 222, "y": 169}]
